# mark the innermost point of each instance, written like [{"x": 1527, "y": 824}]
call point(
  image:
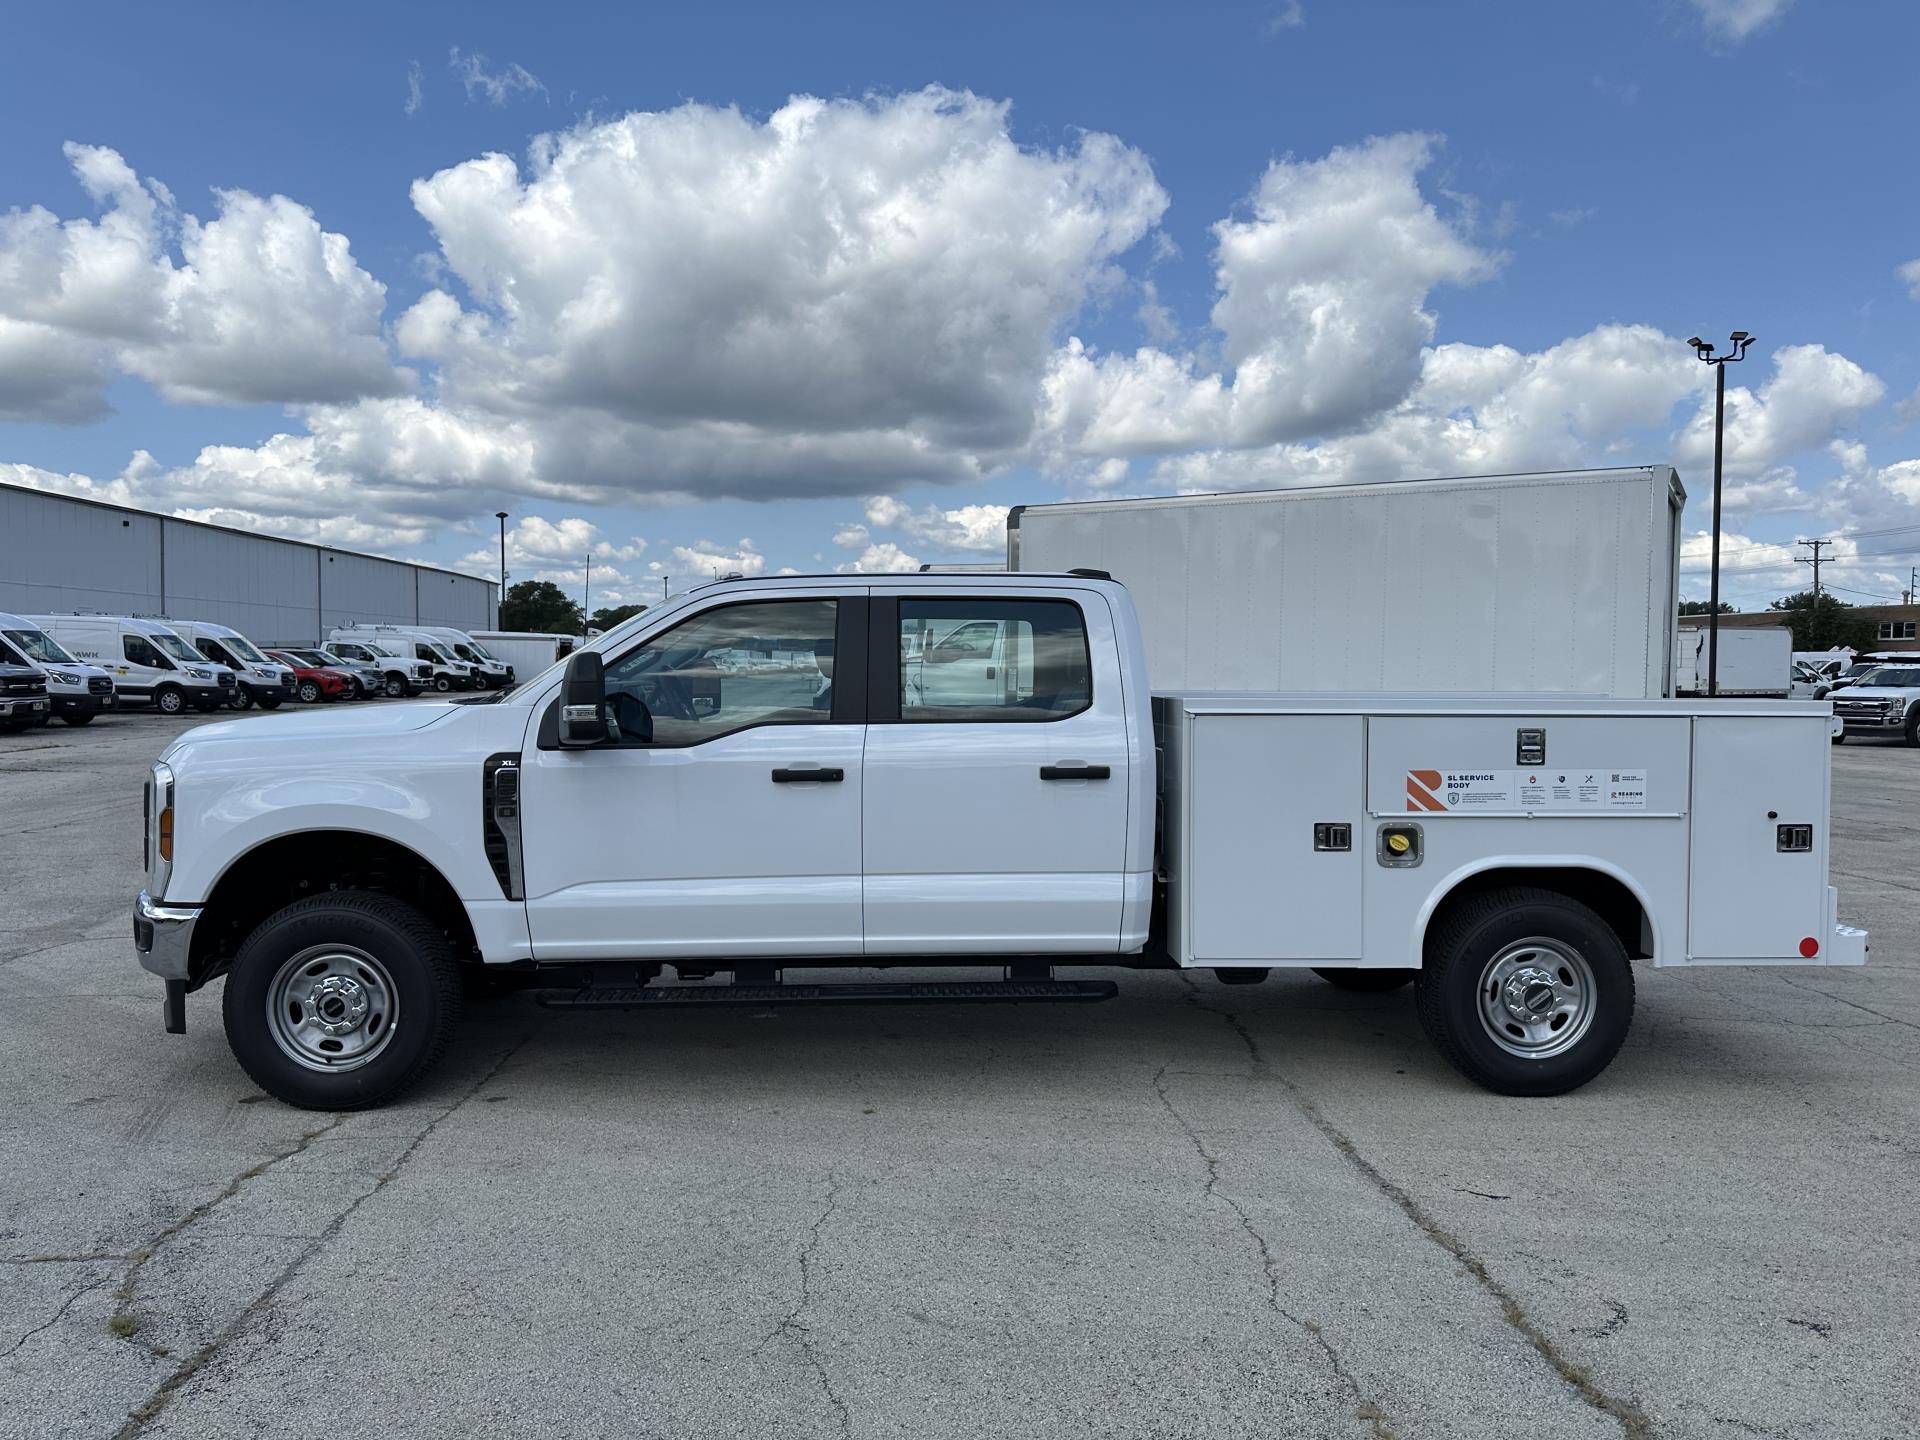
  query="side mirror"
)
[{"x": 583, "y": 701}]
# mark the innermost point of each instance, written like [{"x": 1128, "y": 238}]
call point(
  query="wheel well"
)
[
  {"x": 1606, "y": 896},
  {"x": 293, "y": 867}
]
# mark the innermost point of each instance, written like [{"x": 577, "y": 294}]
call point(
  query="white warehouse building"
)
[{"x": 60, "y": 553}]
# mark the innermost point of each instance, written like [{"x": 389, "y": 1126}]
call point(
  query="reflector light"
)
[{"x": 1809, "y": 947}]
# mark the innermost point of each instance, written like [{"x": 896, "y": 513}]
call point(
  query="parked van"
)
[
  {"x": 262, "y": 681},
  {"x": 399, "y": 675},
  {"x": 148, "y": 661},
  {"x": 493, "y": 672},
  {"x": 75, "y": 692},
  {"x": 415, "y": 643}
]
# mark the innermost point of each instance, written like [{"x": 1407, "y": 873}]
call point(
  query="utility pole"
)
[
  {"x": 586, "y": 606},
  {"x": 1816, "y": 562},
  {"x": 498, "y": 604},
  {"x": 663, "y": 589},
  {"x": 1737, "y": 350}
]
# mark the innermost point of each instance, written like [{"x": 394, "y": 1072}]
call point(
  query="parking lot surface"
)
[{"x": 1192, "y": 1211}]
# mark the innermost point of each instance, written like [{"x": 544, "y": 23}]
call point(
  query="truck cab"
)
[
  {"x": 766, "y": 776},
  {"x": 75, "y": 692}
]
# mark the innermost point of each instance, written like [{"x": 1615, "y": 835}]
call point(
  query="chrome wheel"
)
[
  {"x": 332, "y": 1008},
  {"x": 1537, "y": 998}
]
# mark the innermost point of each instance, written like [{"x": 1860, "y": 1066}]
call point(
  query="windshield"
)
[
  {"x": 243, "y": 647},
  {"x": 173, "y": 645},
  {"x": 1890, "y": 676},
  {"x": 41, "y": 646}
]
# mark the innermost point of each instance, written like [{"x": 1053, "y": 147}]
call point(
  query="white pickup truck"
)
[{"x": 747, "y": 782}]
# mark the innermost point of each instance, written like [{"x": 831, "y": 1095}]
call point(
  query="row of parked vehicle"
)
[{"x": 77, "y": 665}]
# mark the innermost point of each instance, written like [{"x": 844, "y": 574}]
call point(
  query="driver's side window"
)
[
  {"x": 139, "y": 652},
  {"x": 759, "y": 663}
]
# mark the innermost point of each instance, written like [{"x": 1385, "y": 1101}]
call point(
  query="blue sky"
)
[{"x": 1463, "y": 237}]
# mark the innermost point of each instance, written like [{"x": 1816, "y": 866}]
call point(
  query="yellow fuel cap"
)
[{"x": 1399, "y": 844}]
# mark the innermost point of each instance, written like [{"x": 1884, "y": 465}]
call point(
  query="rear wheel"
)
[
  {"x": 170, "y": 700},
  {"x": 342, "y": 1000},
  {"x": 1366, "y": 982},
  {"x": 1525, "y": 991},
  {"x": 308, "y": 691}
]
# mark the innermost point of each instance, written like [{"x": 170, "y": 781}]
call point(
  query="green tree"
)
[
  {"x": 612, "y": 615},
  {"x": 1825, "y": 623},
  {"x": 1701, "y": 607},
  {"x": 540, "y": 605}
]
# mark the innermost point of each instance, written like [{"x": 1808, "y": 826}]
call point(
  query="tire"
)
[
  {"x": 206, "y": 705},
  {"x": 1239, "y": 975},
  {"x": 308, "y": 691},
  {"x": 242, "y": 698},
  {"x": 385, "y": 958},
  {"x": 170, "y": 700},
  {"x": 1911, "y": 733},
  {"x": 1366, "y": 982},
  {"x": 1841, "y": 738},
  {"x": 78, "y": 717},
  {"x": 1514, "y": 932},
  {"x": 443, "y": 683},
  {"x": 269, "y": 702},
  {"x": 396, "y": 687}
]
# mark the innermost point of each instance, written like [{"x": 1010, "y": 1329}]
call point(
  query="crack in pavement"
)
[
  {"x": 130, "y": 1282},
  {"x": 1364, "y": 1408},
  {"x": 1828, "y": 995},
  {"x": 65, "y": 1305},
  {"x": 1632, "y": 1420},
  {"x": 155, "y": 1404},
  {"x": 792, "y": 1326}
]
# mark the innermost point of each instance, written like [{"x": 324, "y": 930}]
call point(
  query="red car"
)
[{"x": 313, "y": 682}]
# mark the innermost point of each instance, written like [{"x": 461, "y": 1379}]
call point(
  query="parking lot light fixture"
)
[{"x": 1737, "y": 344}]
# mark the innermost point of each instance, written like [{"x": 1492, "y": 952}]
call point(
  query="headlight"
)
[
  {"x": 199, "y": 674},
  {"x": 64, "y": 678}
]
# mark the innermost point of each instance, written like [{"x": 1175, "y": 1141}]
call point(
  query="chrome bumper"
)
[{"x": 163, "y": 936}]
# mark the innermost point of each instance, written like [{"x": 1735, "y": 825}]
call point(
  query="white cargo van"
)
[
  {"x": 400, "y": 676},
  {"x": 77, "y": 692},
  {"x": 492, "y": 671},
  {"x": 448, "y": 671},
  {"x": 148, "y": 661},
  {"x": 262, "y": 681},
  {"x": 1751, "y": 662}
]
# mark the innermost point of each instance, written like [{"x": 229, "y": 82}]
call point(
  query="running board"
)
[{"x": 924, "y": 992}]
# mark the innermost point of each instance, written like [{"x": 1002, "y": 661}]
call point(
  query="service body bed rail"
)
[{"x": 1713, "y": 816}]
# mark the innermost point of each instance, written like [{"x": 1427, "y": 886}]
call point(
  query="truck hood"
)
[
  {"x": 1876, "y": 692},
  {"x": 353, "y": 724}
]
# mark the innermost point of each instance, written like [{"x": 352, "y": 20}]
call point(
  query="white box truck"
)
[
  {"x": 749, "y": 779},
  {"x": 1751, "y": 662},
  {"x": 527, "y": 651},
  {"x": 1562, "y": 582}
]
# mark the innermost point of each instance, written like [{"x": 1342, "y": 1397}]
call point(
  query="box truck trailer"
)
[
  {"x": 1752, "y": 662},
  {"x": 1561, "y": 582}
]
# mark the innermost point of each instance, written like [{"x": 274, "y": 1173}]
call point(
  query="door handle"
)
[
  {"x": 815, "y": 774},
  {"x": 1075, "y": 772}
]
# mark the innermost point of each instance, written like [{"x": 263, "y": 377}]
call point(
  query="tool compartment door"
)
[
  {"x": 1258, "y": 890},
  {"x": 1749, "y": 899}
]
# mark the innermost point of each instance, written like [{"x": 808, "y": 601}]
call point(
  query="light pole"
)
[
  {"x": 499, "y": 605},
  {"x": 663, "y": 589},
  {"x": 586, "y": 605},
  {"x": 1736, "y": 350}
]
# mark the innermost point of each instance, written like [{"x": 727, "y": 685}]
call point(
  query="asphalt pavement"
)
[{"x": 1191, "y": 1211}]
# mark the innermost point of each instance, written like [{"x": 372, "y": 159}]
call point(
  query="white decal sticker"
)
[{"x": 1542, "y": 791}]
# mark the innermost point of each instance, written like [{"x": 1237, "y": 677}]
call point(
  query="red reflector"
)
[{"x": 1809, "y": 947}]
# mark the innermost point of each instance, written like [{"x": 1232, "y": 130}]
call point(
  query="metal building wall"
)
[{"x": 60, "y": 553}]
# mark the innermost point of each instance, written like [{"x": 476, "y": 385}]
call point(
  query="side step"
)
[{"x": 923, "y": 992}]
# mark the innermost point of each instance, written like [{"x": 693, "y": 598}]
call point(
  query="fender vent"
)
[{"x": 500, "y": 822}]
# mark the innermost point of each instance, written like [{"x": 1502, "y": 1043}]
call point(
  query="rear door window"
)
[{"x": 993, "y": 660}]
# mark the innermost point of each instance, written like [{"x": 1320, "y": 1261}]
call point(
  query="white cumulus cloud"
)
[{"x": 1731, "y": 21}]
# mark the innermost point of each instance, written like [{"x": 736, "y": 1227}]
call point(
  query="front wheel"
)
[
  {"x": 342, "y": 1000},
  {"x": 1366, "y": 982},
  {"x": 396, "y": 687},
  {"x": 269, "y": 702},
  {"x": 242, "y": 699},
  {"x": 1525, "y": 991},
  {"x": 77, "y": 717},
  {"x": 443, "y": 683},
  {"x": 170, "y": 700}
]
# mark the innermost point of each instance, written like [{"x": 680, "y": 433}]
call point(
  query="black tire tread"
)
[
  {"x": 1458, "y": 921},
  {"x": 442, "y": 968}
]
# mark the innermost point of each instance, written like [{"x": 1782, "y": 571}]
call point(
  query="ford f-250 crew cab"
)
[{"x": 749, "y": 781}]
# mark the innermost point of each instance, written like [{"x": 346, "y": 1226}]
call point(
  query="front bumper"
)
[
  {"x": 80, "y": 704},
  {"x": 163, "y": 936},
  {"x": 28, "y": 705}
]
